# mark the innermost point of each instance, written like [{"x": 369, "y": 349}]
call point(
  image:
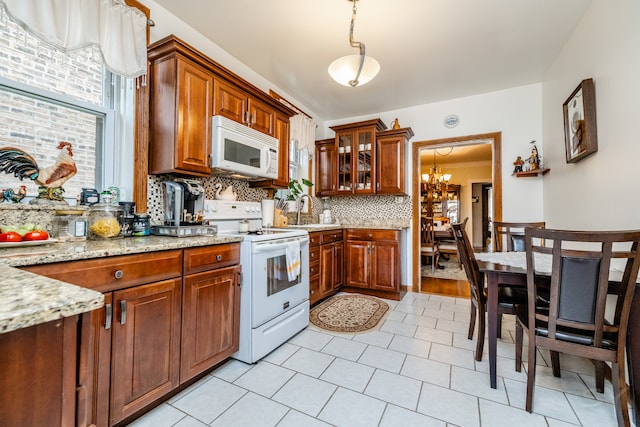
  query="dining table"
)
[{"x": 510, "y": 268}]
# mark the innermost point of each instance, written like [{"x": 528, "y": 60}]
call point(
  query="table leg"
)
[{"x": 492, "y": 314}]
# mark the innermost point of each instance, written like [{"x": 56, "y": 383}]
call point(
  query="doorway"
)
[{"x": 496, "y": 187}]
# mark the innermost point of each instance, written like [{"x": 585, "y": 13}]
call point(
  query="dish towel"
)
[{"x": 293, "y": 260}]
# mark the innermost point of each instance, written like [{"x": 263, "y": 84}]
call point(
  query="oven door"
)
[{"x": 272, "y": 291}]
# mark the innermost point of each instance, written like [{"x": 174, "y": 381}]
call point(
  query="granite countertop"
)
[{"x": 28, "y": 299}]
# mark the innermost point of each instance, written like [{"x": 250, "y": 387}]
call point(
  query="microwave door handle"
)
[{"x": 268, "y": 159}]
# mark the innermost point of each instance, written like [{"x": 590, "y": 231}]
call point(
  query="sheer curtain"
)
[
  {"x": 302, "y": 132},
  {"x": 118, "y": 30}
]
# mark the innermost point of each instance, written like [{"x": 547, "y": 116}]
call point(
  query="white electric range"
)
[{"x": 272, "y": 307}]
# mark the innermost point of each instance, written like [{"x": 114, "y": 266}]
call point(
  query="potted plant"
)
[{"x": 296, "y": 190}]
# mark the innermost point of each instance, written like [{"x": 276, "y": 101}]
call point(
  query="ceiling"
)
[{"x": 428, "y": 50}]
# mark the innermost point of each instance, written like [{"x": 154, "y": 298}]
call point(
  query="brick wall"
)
[{"x": 36, "y": 126}]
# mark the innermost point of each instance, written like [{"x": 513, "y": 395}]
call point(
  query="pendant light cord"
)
[{"x": 359, "y": 45}]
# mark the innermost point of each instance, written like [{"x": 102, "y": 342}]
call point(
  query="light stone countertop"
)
[
  {"x": 380, "y": 224},
  {"x": 28, "y": 299}
]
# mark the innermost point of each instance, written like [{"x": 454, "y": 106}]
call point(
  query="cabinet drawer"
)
[
  {"x": 314, "y": 269},
  {"x": 366, "y": 234},
  {"x": 210, "y": 257},
  {"x": 314, "y": 254},
  {"x": 314, "y": 239},
  {"x": 117, "y": 272},
  {"x": 331, "y": 236}
]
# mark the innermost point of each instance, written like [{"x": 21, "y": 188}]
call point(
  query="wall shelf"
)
[{"x": 535, "y": 172}]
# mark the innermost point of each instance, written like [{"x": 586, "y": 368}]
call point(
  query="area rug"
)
[
  {"x": 349, "y": 313},
  {"x": 451, "y": 270}
]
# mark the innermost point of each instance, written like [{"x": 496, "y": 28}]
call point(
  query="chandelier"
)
[
  {"x": 435, "y": 179},
  {"x": 354, "y": 70}
]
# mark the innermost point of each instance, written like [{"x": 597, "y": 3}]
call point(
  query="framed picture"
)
[{"x": 580, "y": 136}]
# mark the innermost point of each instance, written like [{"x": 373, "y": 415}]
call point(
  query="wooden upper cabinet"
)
[
  {"x": 390, "y": 149},
  {"x": 186, "y": 89},
  {"x": 239, "y": 106},
  {"x": 282, "y": 135},
  {"x": 326, "y": 161},
  {"x": 181, "y": 109}
]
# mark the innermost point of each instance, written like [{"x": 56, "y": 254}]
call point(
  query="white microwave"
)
[{"x": 242, "y": 152}]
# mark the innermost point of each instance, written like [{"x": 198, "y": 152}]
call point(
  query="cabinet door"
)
[
  {"x": 261, "y": 117},
  {"x": 230, "y": 102},
  {"x": 326, "y": 162},
  {"x": 94, "y": 365},
  {"x": 357, "y": 260},
  {"x": 384, "y": 266},
  {"x": 390, "y": 158},
  {"x": 338, "y": 273},
  {"x": 193, "y": 133},
  {"x": 364, "y": 161},
  {"x": 327, "y": 269},
  {"x": 210, "y": 319},
  {"x": 282, "y": 133},
  {"x": 345, "y": 168},
  {"x": 37, "y": 385},
  {"x": 145, "y": 346}
]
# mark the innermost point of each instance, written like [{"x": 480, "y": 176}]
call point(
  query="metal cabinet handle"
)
[
  {"x": 123, "y": 312},
  {"x": 108, "y": 316},
  {"x": 218, "y": 257},
  {"x": 118, "y": 274}
]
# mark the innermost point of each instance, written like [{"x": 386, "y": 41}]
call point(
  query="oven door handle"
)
[{"x": 267, "y": 246}]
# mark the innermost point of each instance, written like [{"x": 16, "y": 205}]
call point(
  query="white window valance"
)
[
  {"x": 118, "y": 30},
  {"x": 303, "y": 130}
]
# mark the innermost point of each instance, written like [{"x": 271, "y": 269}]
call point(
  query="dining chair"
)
[
  {"x": 507, "y": 296},
  {"x": 509, "y": 236},
  {"x": 428, "y": 243},
  {"x": 450, "y": 247},
  {"x": 573, "y": 320}
]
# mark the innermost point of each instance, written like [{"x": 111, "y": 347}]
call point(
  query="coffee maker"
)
[{"x": 183, "y": 202}]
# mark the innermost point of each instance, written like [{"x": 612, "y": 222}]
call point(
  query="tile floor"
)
[{"x": 417, "y": 369}]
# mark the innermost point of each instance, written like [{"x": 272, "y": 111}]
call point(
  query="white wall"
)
[{"x": 599, "y": 192}]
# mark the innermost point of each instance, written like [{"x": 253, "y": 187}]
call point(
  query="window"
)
[{"x": 48, "y": 96}]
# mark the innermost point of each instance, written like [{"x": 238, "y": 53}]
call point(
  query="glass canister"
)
[
  {"x": 69, "y": 225},
  {"x": 103, "y": 220}
]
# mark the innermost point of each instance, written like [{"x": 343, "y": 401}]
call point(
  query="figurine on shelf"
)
[
  {"x": 9, "y": 195},
  {"x": 518, "y": 165},
  {"x": 534, "y": 159}
]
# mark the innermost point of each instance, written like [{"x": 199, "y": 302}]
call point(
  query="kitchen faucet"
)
[{"x": 299, "y": 205}]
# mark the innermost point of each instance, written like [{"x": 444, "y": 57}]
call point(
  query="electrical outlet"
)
[{"x": 399, "y": 199}]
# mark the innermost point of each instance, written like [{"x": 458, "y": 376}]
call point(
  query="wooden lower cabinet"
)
[
  {"x": 210, "y": 321},
  {"x": 145, "y": 346},
  {"x": 372, "y": 262},
  {"x": 157, "y": 328},
  {"x": 37, "y": 385},
  {"x": 329, "y": 252}
]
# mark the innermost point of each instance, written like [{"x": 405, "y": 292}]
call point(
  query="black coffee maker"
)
[{"x": 183, "y": 202}]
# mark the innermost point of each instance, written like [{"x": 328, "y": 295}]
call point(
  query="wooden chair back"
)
[
  {"x": 573, "y": 319},
  {"x": 427, "y": 232},
  {"x": 509, "y": 236},
  {"x": 470, "y": 264}
]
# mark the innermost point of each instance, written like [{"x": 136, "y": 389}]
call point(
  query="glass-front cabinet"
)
[{"x": 356, "y": 156}]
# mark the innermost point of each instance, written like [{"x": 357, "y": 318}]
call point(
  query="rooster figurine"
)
[
  {"x": 9, "y": 195},
  {"x": 22, "y": 165}
]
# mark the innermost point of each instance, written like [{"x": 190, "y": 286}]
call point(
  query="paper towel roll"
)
[{"x": 267, "y": 212}]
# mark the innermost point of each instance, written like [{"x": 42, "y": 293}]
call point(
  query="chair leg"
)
[
  {"x": 555, "y": 363},
  {"x": 531, "y": 373},
  {"x": 518, "y": 347},
  {"x": 472, "y": 321},
  {"x": 620, "y": 393},
  {"x": 481, "y": 331},
  {"x": 600, "y": 368},
  {"x": 499, "y": 325}
]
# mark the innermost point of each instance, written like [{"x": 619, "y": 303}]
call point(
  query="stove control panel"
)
[{"x": 226, "y": 209}]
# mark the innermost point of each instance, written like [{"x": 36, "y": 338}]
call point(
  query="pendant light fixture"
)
[{"x": 354, "y": 70}]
